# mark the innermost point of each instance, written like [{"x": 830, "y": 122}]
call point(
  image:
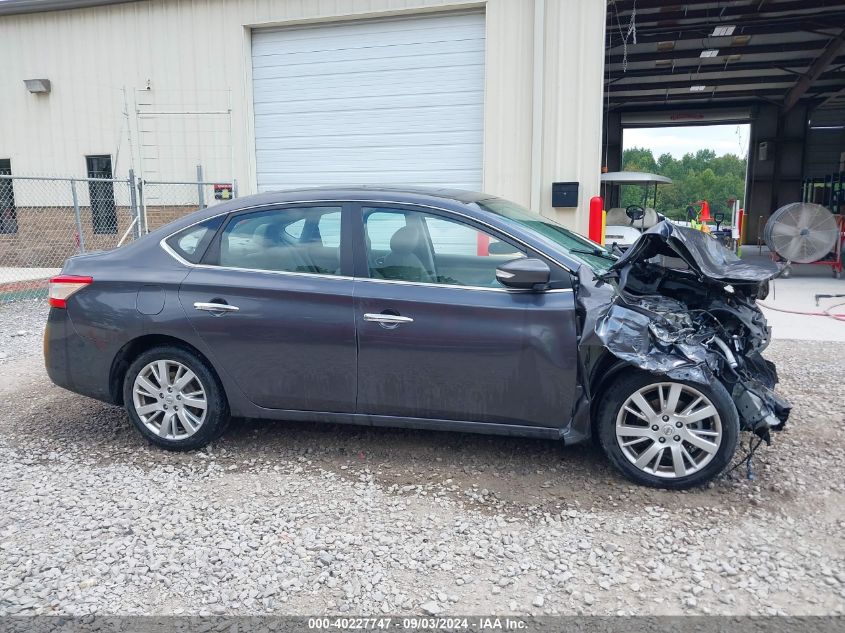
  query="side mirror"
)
[{"x": 525, "y": 273}]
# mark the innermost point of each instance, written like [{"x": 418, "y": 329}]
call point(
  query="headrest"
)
[
  {"x": 269, "y": 233},
  {"x": 405, "y": 240}
]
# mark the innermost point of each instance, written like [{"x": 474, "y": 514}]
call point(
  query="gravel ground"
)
[
  {"x": 21, "y": 328},
  {"x": 293, "y": 518}
]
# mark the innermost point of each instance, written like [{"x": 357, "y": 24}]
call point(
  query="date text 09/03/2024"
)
[{"x": 476, "y": 623}]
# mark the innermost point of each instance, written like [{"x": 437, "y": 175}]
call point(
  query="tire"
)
[
  {"x": 678, "y": 434},
  {"x": 170, "y": 414}
]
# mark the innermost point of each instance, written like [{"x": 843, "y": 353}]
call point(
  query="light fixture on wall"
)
[{"x": 37, "y": 86}]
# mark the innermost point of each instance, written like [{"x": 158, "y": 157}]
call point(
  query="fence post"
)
[
  {"x": 142, "y": 205},
  {"x": 78, "y": 216},
  {"x": 200, "y": 192},
  {"x": 133, "y": 201}
]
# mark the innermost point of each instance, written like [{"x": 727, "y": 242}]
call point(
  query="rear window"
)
[{"x": 190, "y": 243}]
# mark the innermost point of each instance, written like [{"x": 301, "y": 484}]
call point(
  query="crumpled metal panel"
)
[
  {"x": 634, "y": 336},
  {"x": 699, "y": 251},
  {"x": 664, "y": 335}
]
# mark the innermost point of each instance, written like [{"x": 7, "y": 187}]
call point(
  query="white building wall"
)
[{"x": 195, "y": 54}]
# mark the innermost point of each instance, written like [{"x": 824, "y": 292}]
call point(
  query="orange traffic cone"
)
[{"x": 705, "y": 211}]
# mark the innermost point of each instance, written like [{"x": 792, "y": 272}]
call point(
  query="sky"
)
[{"x": 723, "y": 139}]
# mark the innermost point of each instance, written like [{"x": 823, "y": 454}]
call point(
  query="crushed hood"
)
[{"x": 699, "y": 251}]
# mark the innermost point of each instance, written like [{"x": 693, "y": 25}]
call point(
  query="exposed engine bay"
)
[{"x": 685, "y": 306}]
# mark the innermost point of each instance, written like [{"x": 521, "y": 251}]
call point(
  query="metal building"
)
[
  {"x": 498, "y": 95},
  {"x": 778, "y": 65}
]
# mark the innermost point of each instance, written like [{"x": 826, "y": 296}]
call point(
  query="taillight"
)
[{"x": 64, "y": 286}]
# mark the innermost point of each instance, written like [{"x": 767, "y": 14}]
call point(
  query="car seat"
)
[{"x": 402, "y": 261}]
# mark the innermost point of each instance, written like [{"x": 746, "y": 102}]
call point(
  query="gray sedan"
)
[{"x": 429, "y": 309}]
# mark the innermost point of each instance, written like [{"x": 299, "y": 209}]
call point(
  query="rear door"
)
[
  {"x": 439, "y": 338},
  {"x": 273, "y": 301}
]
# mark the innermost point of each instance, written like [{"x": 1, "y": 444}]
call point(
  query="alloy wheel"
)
[
  {"x": 668, "y": 430},
  {"x": 169, "y": 399}
]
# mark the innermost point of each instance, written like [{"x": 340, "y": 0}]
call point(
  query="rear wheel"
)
[
  {"x": 174, "y": 399},
  {"x": 667, "y": 433}
]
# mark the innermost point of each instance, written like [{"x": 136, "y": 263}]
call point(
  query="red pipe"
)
[{"x": 482, "y": 244}]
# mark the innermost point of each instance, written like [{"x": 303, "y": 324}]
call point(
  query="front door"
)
[
  {"x": 101, "y": 194},
  {"x": 273, "y": 301},
  {"x": 440, "y": 338}
]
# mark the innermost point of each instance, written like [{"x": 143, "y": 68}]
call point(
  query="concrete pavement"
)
[{"x": 797, "y": 295}]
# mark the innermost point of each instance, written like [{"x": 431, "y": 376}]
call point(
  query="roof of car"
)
[
  {"x": 441, "y": 196},
  {"x": 460, "y": 200},
  {"x": 366, "y": 191}
]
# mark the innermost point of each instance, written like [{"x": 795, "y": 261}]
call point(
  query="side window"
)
[
  {"x": 381, "y": 225},
  {"x": 283, "y": 240},
  {"x": 329, "y": 226},
  {"x": 294, "y": 229},
  {"x": 451, "y": 238},
  {"x": 190, "y": 243},
  {"x": 418, "y": 247},
  {"x": 327, "y": 231}
]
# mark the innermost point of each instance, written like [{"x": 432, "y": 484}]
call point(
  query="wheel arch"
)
[
  {"x": 603, "y": 374},
  {"x": 137, "y": 346}
]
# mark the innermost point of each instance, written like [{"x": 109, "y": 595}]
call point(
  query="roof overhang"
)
[
  {"x": 16, "y": 7},
  {"x": 728, "y": 53},
  {"x": 634, "y": 178}
]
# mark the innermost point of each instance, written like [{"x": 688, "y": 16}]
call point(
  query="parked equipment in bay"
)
[
  {"x": 624, "y": 225},
  {"x": 423, "y": 308}
]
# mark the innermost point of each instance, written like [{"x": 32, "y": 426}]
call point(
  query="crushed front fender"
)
[{"x": 681, "y": 305}]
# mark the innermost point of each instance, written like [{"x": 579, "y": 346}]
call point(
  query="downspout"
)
[{"x": 537, "y": 106}]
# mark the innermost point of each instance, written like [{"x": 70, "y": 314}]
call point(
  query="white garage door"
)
[{"x": 397, "y": 102}]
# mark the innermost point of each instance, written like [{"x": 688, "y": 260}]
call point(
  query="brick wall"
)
[{"x": 46, "y": 236}]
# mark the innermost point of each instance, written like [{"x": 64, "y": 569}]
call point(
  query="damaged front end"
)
[{"x": 685, "y": 307}]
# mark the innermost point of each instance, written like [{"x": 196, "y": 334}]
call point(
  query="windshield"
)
[{"x": 578, "y": 247}]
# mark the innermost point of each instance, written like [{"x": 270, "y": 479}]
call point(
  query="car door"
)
[
  {"x": 440, "y": 339},
  {"x": 272, "y": 300}
]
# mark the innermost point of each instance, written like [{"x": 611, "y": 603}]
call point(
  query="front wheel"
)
[
  {"x": 174, "y": 399},
  {"x": 668, "y": 433}
]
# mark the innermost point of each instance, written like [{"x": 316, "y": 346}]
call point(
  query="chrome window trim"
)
[
  {"x": 292, "y": 273},
  {"x": 369, "y": 279},
  {"x": 166, "y": 247},
  {"x": 426, "y": 284}
]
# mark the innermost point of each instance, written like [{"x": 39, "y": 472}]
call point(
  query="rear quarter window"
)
[{"x": 190, "y": 243}]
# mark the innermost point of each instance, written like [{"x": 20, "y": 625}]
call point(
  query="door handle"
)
[
  {"x": 215, "y": 307},
  {"x": 389, "y": 319}
]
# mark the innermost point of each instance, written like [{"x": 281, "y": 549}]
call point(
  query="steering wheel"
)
[{"x": 635, "y": 212}]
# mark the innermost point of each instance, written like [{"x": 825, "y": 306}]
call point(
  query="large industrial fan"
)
[{"x": 801, "y": 232}]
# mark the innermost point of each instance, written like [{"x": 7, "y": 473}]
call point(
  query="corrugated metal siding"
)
[
  {"x": 823, "y": 152},
  {"x": 192, "y": 46},
  {"x": 825, "y": 143},
  {"x": 396, "y": 101}
]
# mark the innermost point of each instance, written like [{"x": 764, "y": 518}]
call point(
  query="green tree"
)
[{"x": 695, "y": 177}]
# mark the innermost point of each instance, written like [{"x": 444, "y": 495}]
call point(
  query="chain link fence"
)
[
  {"x": 163, "y": 202},
  {"x": 43, "y": 221}
]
